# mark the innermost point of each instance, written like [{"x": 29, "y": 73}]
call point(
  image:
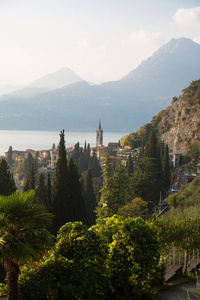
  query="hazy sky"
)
[{"x": 100, "y": 40}]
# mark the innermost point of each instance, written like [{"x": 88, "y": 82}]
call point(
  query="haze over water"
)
[{"x": 43, "y": 140}]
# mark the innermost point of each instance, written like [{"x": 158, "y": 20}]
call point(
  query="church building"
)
[{"x": 99, "y": 136}]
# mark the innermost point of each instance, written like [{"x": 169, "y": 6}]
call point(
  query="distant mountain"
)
[
  {"x": 50, "y": 82},
  {"x": 9, "y": 88},
  {"x": 30, "y": 92},
  {"x": 122, "y": 105},
  {"x": 57, "y": 80}
]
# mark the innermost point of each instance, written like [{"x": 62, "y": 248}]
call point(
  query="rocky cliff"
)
[{"x": 178, "y": 125}]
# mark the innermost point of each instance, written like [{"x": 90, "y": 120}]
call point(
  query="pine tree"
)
[
  {"x": 89, "y": 199},
  {"x": 7, "y": 184},
  {"x": 60, "y": 189}
]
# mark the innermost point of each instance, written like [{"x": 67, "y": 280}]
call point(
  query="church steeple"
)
[{"x": 99, "y": 136}]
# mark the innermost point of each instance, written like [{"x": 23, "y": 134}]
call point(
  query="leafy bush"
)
[
  {"x": 172, "y": 200},
  {"x": 118, "y": 258},
  {"x": 75, "y": 269},
  {"x": 134, "y": 255},
  {"x": 3, "y": 289}
]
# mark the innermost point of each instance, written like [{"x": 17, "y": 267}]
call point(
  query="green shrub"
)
[
  {"x": 134, "y": 255},
  {"x": 3, "y": 290},
  {"x": 76, "y": 268},
  {"x": 118, "y": 258},
  {"x": 172, "y": 200}
]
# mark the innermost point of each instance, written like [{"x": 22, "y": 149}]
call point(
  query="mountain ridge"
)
[{"x": 122, "y": 105}]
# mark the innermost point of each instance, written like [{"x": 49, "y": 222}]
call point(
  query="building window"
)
[{"x": 54, "y": 157}]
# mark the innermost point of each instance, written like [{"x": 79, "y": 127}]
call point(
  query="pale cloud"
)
[
  {"x": 197, "y": 39},
  {"x": 189, "y": 16},
  {"x": 143, "y": 37},
  {"x": 89, "y": 44}
]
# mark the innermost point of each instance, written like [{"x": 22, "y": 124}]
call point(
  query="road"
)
[{"x": 183, "y": 292}]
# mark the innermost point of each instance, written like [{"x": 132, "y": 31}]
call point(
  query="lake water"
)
[{"x": 43, "y": 140}]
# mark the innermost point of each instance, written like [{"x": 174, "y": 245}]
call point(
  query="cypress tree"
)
[
  {"x": 28, "y": 164},
  {"x": 162, "y": 149},
  {"x": 148, "y": 180},
  {"x": 81, "y": 161},
  {"x": 7, "y": 184},
  {"x": 89, "y": 199},
  {"x": 94, "y": 165},
  {"x": 86, "y": 157},
  {"x": 32, "y": 176},
  {"x": 76, "y": 152},
  {"x": 107, "y": 198},
  {"x": 121, "y": 187},
  {"x": 142, "y": 149},
  {"x": 41, "y": 191},
  {"x": 130, "y": 166},
  {"x": 115, "y": 189},
  {"x": 9, "y": 157},
  {"x": 30, "y": 179},
  {"x": 60, "y": 190},
  {"x": 48, "y": 184},
  {"x": 77, "y": 207},
  {"x": 166, "y": 170}
]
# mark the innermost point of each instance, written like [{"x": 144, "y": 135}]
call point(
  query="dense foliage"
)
[
  {"x": 119, "y": 257},
  {"x": 75, "y": 269},
  {"x": 67, "y": 199}
]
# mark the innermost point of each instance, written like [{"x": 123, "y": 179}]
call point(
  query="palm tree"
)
[{"x": 23, "y": 235}]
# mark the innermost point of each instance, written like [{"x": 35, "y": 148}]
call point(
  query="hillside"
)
[
  {"x": 178, "y": 125},
  {"x": 122, "y": 105}
]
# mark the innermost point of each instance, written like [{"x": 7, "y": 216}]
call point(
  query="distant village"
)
[
  {"x": 113, "y": 148},
  {"x": 52, "y": 154}
]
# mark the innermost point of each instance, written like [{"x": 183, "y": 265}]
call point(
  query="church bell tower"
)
[{"x": 99, "y": 136}]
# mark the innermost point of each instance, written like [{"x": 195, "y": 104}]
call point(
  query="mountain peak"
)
[
  {"x": 56, "y": 80},
  {"x": 175, "y": 44},
  {"x": 181, "y": 51}
]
